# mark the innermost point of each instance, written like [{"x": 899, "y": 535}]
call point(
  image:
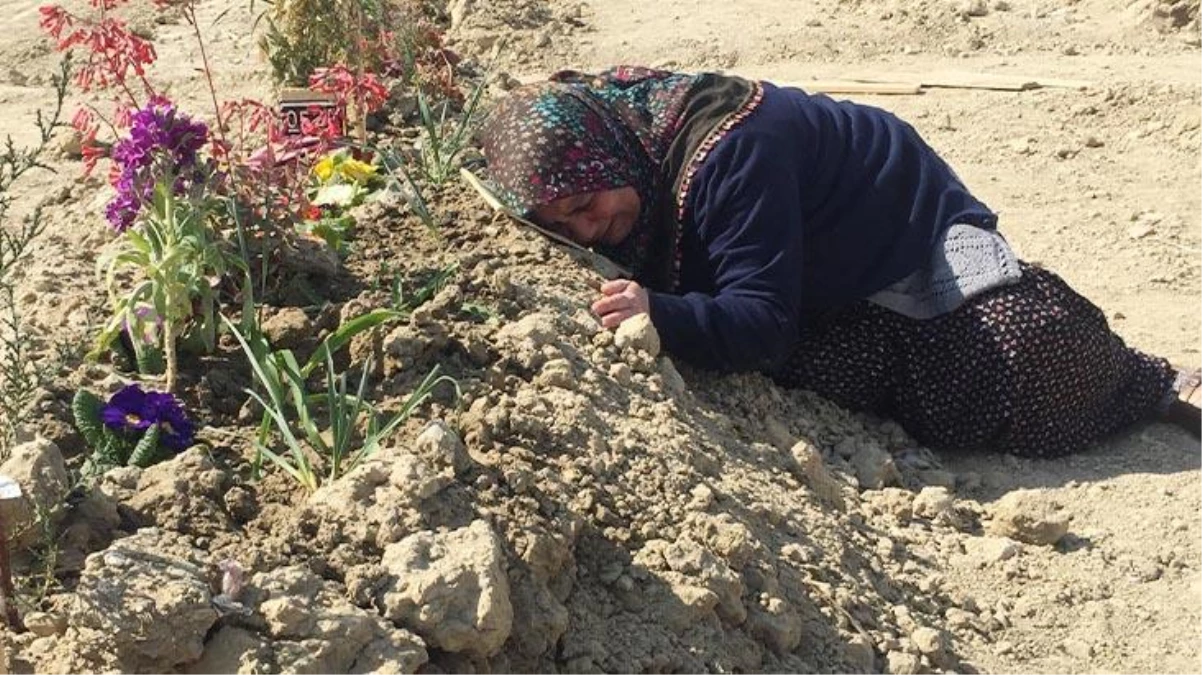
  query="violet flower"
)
[
  {"x": 135, "y": 410},
  {"x": 161, "y": 141}
]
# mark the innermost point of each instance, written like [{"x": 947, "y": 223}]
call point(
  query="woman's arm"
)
[{"x": 745, "y": 203}]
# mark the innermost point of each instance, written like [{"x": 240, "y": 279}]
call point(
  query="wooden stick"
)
[{"x": 856, "y": 87}]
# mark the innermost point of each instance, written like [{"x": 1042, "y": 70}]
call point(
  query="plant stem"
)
[
  {"x": 169, "y": 352},
  {"x": 190, "y": 15},
  {"x": 8, "y": 601}
]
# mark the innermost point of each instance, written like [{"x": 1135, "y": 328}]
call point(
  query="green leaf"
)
[
  {"x": 146, "y": 452},
  {"x": 86, "y": 407},
  {"x": 342, "y": 194},
  {"x": 150, "y": 360},
  {"x": 346, "y": 332}
]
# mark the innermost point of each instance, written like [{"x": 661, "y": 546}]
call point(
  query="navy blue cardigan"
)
[{"x": 809, "y": 203}]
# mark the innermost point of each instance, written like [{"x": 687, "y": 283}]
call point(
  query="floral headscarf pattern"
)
[{"x": 581, "y": 133}]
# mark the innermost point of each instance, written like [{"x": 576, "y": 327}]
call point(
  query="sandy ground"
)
[
  {"x": 1076, "y": 208},
  {"x": 1100, "y": 184}
]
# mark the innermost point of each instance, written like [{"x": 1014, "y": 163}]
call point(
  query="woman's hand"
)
[{"x": 621, "y": 299}]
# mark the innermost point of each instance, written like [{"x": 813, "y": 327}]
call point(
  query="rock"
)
[
  {"x": 812, "y": 470},
  {"x": 860, "y": 654},
  {"x": 557, "y": 373},
  {"x": 542, "y": 617},
  {"x": 377, "y": 502},
  {"x": 145, "y": 602},
  {"x": 933, "y": 503},
  {"x": 1026, "y": 516},
  {"x": 182, "y": 494},
  {"x": 895, "y": 501},
  {"x": 288, "y": 617},
  {"x": 288, "y": 328},
  {"x": 902, "y": 663},
  {"x": 45, "y": 624},
  {"x": 931, "y": 642},
  {"x": 690, "y": 606},
  {"x": 1078, "y": 649},
  {"x": 959, "y": 619},
  {"x": 538, "y": 328},
  {"x": 874, "y": 467},
  {"x": 70, "y": 144},
  {"x": 674, "y": 383},
  {"x": 315, "y": 629},
  {"x": 987, "y": 550},
  {"x": 441, "y": 447},
  {"x": 37, "y": 467},
  {"x": 405, "y": 345},
  {"x": 776, "y": 624},
  {"x": 234, "y": 650},
  {"x": 974, "y": 8},
  {"x": 693, "y": 560},
  {"x": 450, "y": 588},
  {"x": 638, "y": 333}
]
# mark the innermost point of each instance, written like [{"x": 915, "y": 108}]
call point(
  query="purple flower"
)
[
  {"x": 134, "y": 410},
  {"x": 162, "y": 142}
]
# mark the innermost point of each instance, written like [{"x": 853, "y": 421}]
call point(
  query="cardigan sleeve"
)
[{"x": 745, "y": 204}]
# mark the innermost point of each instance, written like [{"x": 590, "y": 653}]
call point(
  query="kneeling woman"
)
[{"x": 826, "y": 244}]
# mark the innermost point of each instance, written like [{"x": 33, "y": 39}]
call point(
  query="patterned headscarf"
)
[{"x": 581, "y": 133}]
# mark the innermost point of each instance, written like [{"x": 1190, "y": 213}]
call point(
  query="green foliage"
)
[
  {"x": 328, "y": 431},
  {"x": 401, "y": 182},
  {"x": 86, "y": 407},
  {"x": 179, "y": 259},
  {"x": 111, "y": 448},
  {"x": 20, "y": 374},
  {"x": 339, "y": 182},
  {"x": 303, "y": 35},
  {"x": 146, "y": 452},
  {"x": 444, "y": 142}
]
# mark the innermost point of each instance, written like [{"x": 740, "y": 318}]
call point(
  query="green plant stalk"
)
[
  {"x": 7, "y": 597},
  {"x": 284, "y": 382}
]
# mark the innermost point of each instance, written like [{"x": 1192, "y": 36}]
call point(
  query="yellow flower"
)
[
  {"x": 360, "y": 172},
  {"x": 324, "y": 169}
]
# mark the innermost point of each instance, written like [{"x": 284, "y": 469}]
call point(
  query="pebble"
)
[
  {"x": 974, "y": 8},
  {"x": 1078, "y": 649},
  {"x": 933, "y": 502},
  {"x": 1026, "y": 516},
  {"x": 959, "y": 618},
  {"x": 860, "y": 654},
  {"x": 637, "y": 332},
  {"x": 990, "y": 550},
  {"x": 44, "y": 624},
  {"x": 902, "y": 663},
  {"x": 930, "y": 642}
]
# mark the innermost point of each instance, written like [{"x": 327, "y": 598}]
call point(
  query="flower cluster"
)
[
  {"x": 113, "y": 52},
  {"x": 342, "y": 167},
  {"x": 368, "y": 94},
  {"x": 133, "y": 410},
  {"x": 162, "y": 141}
]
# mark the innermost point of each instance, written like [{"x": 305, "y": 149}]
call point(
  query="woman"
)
[{"x": 826, "y": 244}]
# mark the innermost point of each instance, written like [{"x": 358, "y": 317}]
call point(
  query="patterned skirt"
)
[{"x": 1030, "y": 368}]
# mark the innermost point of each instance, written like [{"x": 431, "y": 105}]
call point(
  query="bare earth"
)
[
  {"x": 1075, "y": 175},
  {"x": 1099, "y": 183}
]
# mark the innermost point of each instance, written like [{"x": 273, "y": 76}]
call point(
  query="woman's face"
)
[{"x": 605, "y": 217}]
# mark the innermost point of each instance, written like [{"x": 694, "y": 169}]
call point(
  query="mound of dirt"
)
[{"x": 586, "y": 506}]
